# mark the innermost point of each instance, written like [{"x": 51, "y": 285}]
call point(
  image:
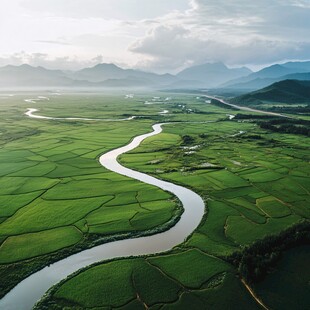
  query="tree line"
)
[
  {"x": 279, "y": 124},
  {"x": 256, "y": 260}
]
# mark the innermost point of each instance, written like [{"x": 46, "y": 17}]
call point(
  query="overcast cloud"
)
[{"x": 157, "y": 35}]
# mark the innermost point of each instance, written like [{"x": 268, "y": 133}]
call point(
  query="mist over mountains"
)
[
  {"x": 270, "y": 75},
  {"x": 213, "y": 74},
  {"x": 210, "y": 75},
  {"x": 110, "y": 75}
]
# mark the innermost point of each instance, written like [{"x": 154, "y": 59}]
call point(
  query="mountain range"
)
[
  {"x": 270, "y": 75},
  {"x": 110, "y": 75},
  {"x": 205, "y": 76},
  {"x": 213, "y": 74}
]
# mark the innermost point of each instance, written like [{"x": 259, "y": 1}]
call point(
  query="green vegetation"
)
[
  {"x": 24, "y": 246},
  {"x": 299, "y": 127},
  {"x": 289, "y": 278},
  {"x": 287, "y": 91},
  {"x": 255, "y": 183},
  {"x": 153, "y": 283},
  {"x": 278, "y": 124},
  {"x": 256, "y": 260},
  {"x": 301, "y": 110},
  {"x": 124, "y": 280},
  {"x": 220, "y": 104},
  {"x": 203, "y": 267}
]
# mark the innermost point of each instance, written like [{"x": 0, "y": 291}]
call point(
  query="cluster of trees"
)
[
  {"x": 293, "y": 126},
  {"x": 291, "y": 110},
  {"x": 279, "y": 124},
  {"x": 246, "y": 100},
  {"x": 252, "y": 116},
  {"x": 187, "y": 140},
  {"x": 256, "y": 260},
  {"x": 278, "y": 121},
  {"x": 287, "y": 128}
]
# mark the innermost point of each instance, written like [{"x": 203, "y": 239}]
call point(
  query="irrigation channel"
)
[{"x": 29, "y": 291}]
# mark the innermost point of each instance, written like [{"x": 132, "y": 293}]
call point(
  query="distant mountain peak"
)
[
  {"x": 207, "y": 75},
  {"x": 217, "y": 64},
  {"x": 18, "y": 68},
  {"x": 26, "y": 66},
  {"x": 268, "y": 75},
  {"x": 212, "y": 74},
  {"x": 209, "y": 65},
  {"x": 106, "y": 65}
]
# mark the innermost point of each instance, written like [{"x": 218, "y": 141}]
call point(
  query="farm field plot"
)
[{"x": 254, "y": 183}]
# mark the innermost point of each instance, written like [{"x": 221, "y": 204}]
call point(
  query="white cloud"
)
[
  {"x": 46, "y": 61},
  {"x": 175, "y": 47},
  {"x": 235, "y": 32},
  {"x": 154, "y": 34},
  {"x": 105, "y": 9}
]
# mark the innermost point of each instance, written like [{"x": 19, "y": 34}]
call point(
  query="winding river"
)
[
  {"x": 31, "y": 114},
  {"x": 30, "y": 290}
]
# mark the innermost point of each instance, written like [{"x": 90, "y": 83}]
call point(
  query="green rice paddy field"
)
[{"x": 56, "y": 199}]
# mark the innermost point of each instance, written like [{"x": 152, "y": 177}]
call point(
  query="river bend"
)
[{"x": 29, "y": 291}]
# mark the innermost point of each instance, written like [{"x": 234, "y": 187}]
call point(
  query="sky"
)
[{"x": 153, "y": 35}]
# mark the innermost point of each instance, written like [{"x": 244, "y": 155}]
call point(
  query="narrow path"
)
[
  {"x": 249, "y": 289},
  {"x": 30, "y": 290}
]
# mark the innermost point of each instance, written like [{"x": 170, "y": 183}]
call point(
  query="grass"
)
[
  {"x": 273, "y": 207},
  {"x": 124, "y": 281},
  {"x": 237, "y": 225},
  {"x": 214, "y": 225},
  {"x": 108, "y": 220},
  {"x": 206, "y": 244},
  {"x": 202, "y": 268},
  {"x": 17, "y": 248},
  {"x": 24, "y": 185},
  {"x": 9, "y": 204},
  {"x": 8, "y": 169},
  {"x": 154, "y": 288},
  {"x": 37, "y": 215},
  {"x": 250, "y": 215},
  {"x": 76, "y": 190},
  {"x": 117, "y": 290},
  {"x": 235, "y": 297}
]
